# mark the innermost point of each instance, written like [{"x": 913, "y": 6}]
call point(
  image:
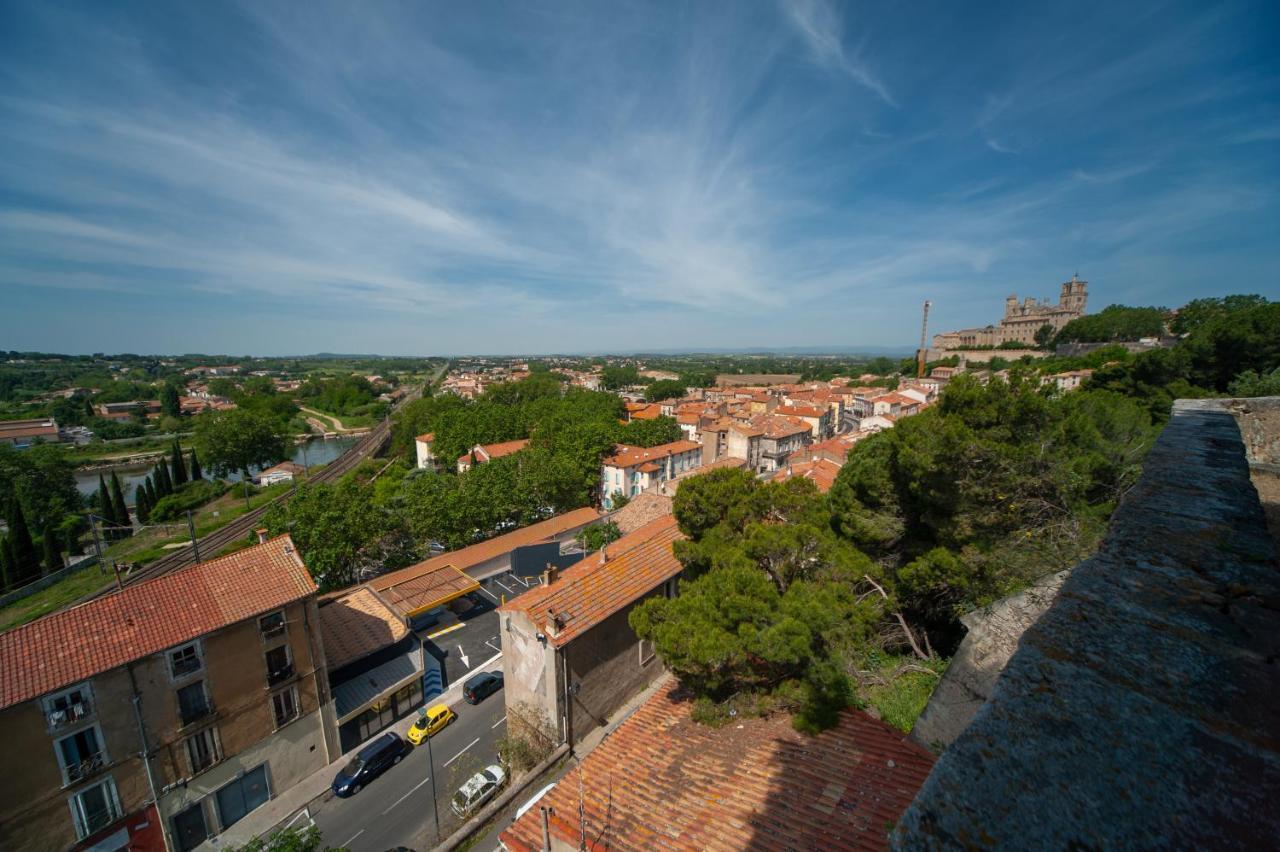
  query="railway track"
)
[{"x": 367, "y": 447}]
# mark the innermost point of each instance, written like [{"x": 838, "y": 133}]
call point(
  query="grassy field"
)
[
  {"x": 143, "y": 547},
  {"x": 902, "y": 699}
]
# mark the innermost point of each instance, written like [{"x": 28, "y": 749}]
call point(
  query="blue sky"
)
[{"x": 426, "y": 178}]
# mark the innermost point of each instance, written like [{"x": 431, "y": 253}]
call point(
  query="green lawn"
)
[
  {"x": 60, "y": 594},
  {"x": 901, "y": 701}
]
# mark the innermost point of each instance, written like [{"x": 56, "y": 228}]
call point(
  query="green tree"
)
[
  {"x": 1199, "y": 312},
  {"x": 291, "y": 839},
  {"x": 1250, "y": 383},
  {"x": 177, "y": 468},
  {"x": 140, "y": 505},
  {"x": 52, "y": 551},
  {"x": 1115, "y": 322},
  {"x": 170, "y": 400},
  {"x": 42, "y": 480},
  {"x": 237, "y": 440},
  {"x": 119, "y": 510},
  {"x": 7, "y": 569},
  {"x": 650, "y": 433},
  {"x": 25, "y": 559},
  {"x": 1044, "y": 336},
  {"x": 619, "y": 376},
  {"x": 597, "y": 536},
  {"x": 164, "y": 483},
  {"x": 193, "y": 465},
  {"x": 664, "y": 389}
]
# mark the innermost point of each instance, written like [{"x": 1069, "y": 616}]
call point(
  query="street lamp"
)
[{"x": 431, "y": 774}]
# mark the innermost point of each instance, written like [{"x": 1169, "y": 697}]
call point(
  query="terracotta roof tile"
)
[
  {"x": 587, "y": 593},
  {"x": 357, "y": 623},
  {"x": 640, "y": 510},
  {"x": 626, "y": 456},
  {"x": 663, "y": 781},
  {"x": 468, "y": 557},
  {"x": 107, "y": 632}
]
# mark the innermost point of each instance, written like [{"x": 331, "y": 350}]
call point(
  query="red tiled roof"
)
[
  {"x": 426, "y": 436},
  {"x": 640, "y": 510},
  {"x": 496, "y": 451},
  {"x": 587, "y": 593},
  {"x": 626, "y": 456},
  {"x": 471, "y": 556},
  {"x": 663, "y": 781},
  {"x": 821, "y": 471},
  {"x": 356, "y": 623},
  {"x": 78, "y": 643},
  {"x": 425, "y": 589},
  {"x": 28, "y": 428}
]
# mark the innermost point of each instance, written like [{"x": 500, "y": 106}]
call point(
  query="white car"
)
[{"x": 478, "y": 790}]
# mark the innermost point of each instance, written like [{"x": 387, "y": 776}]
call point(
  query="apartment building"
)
[
  {"x": 163, "y": 713},
  {"x": 631, "y": 470}
]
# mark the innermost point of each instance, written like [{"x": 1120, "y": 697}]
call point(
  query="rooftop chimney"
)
[
  {"x": 549, "y": 574},
  {"x": 262, "y": 535}
]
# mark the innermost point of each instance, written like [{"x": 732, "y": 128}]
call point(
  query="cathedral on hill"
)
[{"x": 1021, "y": 320}]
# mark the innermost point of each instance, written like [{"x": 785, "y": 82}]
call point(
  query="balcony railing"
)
[
  {"x": 70, "y": 715},
  {"x": 279, "y": 675},
  {"x": 77, "y": 772}
]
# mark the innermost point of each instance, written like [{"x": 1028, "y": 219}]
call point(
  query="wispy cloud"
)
[{"x": 819, "y": 24}]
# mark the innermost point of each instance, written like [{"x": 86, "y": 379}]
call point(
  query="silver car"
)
[{"x": 478, "y": 790}]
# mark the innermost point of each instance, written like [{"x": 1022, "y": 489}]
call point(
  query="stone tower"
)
[{"x": 1074, "y": 295}]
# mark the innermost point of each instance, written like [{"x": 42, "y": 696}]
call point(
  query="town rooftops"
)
[
  {"x": 489, "y": 452},
  {"x": 357, "y": 623},
  {"x": 469, "y": 557},
  {"x": 799, "y": 411},
  {"x": 587, "y": 593},
  {"x": 626, "y": 456},
  {"x": 664, "y": 781},
  {"x": 822, "y": 472},
  {"x": 144, "y": 619},
  {"x": 641, "y": 509}
]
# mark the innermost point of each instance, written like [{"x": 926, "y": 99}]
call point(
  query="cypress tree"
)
[
  {"x": 121, "y": 510},
  {"x": 140, "y": 507},
  {"x": 74, "y": 547},
  {"x": 6, "y": 564},
  {"x": 88, "y": 408},
  {"x": 152, "y": 497},
  {"x": 179, "y": 469},
  {"x": 101, "y": 499},
  {"x": 195, "y": 471},
  {"x": 26, "y": 562},
  {"x": 164, "y": 484},
  {"x": 52, "y": 551}
]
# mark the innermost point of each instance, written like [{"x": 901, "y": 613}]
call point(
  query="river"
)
[{"x": 314, "y": 451}]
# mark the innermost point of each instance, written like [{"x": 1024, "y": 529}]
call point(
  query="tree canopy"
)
[
  {"x": 238, "y": 439},
  {"x": 1115, "y": 322},
  {"x": 664, "y": 389}
]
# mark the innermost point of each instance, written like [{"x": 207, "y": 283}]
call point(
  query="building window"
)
[
  {"x": 81, "y": 755},
  {"x": 202, "y": 750},
  {"x": 242, "y": 796},
  {"x": 279, "y": 666},
  {"x": 193, "y": 703},
  {"x": 285, "y": 705},
  {"x": 646, "y": 651},
  {"x": 272, "y": 626},
  {"x": 95, "y": 808},
  {"x": 185, "y": 660},
  {"x": 189, "y": 828},
  {"x": 69, "y": 707}
]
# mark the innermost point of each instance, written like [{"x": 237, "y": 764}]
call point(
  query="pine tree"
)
[
  {"x": 26, "y": 562},
  {"x": 52, "y": 551},
  {"x": 152, "y": 497},
  {"x": 121, "y": 510},
  {"x": 176, "y": 464},
  {"x": 195, "y": 471}
]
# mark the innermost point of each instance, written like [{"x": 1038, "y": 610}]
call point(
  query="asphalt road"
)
[{"x": 396, "y": 808}]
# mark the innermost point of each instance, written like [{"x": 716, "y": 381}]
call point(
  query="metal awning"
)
[{"x": 358, "y": 693}]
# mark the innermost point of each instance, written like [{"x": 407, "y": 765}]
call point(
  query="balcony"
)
[
  {"x": 70, "y": 714},
  {"x": 279, "y": 675},
  {"x": 82, "y": 769}
]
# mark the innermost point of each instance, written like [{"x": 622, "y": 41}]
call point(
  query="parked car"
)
[
  {"x": 370, "y": 762},
  {"x": 481, "y": 686},
  {"x": 430, "y": 721},
  {"x": 478, "y": 790}
]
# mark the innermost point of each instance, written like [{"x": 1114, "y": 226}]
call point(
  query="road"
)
[{"x": 396, "y": 809}]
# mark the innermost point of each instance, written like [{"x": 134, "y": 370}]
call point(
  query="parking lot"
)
[{"x": 465, "y": 640}]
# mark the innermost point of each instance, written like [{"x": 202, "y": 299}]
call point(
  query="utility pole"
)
[
  {"x": 97, "y": 543},
  {"x": 924, "y": 330},
  {"x": 191, "y": 527}
]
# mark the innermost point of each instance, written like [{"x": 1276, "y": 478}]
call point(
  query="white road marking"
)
[
  {"x": 465, "y": 661},
  {"x": 407, "y": 795},
  {"x": 493, "y": 646},
  {"x": 491, "y": 594},
  {"x": 461, "y": 753},
  {"x": 353, "y": 838},
  {"x": 505, "y": 586},
  {"x": 497, "y": 723}
]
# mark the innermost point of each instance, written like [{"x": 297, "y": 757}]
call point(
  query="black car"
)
[
  {"x": 481, "y": 686},
  {"x": 370, "y": 762}
]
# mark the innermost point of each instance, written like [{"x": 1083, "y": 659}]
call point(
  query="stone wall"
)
[{"x": 1140, "y": 710}]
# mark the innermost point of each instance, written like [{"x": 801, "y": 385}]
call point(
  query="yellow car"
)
[{"x": 430, "y": 721}]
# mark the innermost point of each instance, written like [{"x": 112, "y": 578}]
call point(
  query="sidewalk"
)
[{"x": 289, "y": 805}]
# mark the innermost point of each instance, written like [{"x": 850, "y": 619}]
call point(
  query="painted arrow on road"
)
[{"x": 466, "y": 664}]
